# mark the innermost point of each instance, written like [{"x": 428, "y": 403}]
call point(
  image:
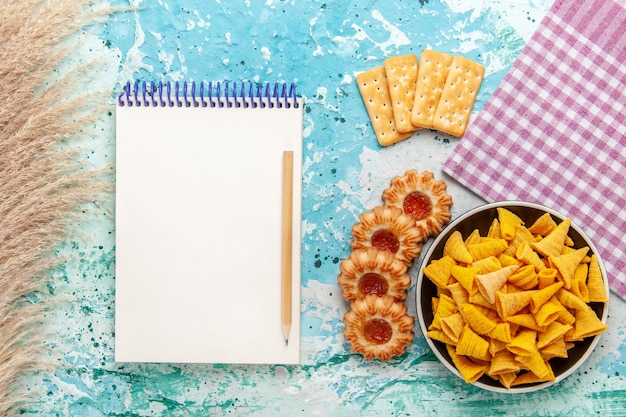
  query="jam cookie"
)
[
  {"x": 378, "y": 327},
  {"x": 423, "y": 198},
  {"x": 373, "y": 272},
  {"x": 388, "y": 228}
]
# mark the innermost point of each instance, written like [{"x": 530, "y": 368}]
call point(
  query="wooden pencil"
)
[{"x": 287, "y": 242}]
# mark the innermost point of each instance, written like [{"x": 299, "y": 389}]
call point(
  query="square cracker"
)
[
  {"x": 431, "y": 78},
  {"x": 374, "y": 91},
  {"x": 401, "y": 73},
  {"x": 458, "y": 96}
]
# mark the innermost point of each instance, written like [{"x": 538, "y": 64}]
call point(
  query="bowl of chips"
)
[{"x": 512, "y": 297}]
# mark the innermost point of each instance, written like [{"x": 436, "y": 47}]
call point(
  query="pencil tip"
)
[{"x": 286, "y": 328}]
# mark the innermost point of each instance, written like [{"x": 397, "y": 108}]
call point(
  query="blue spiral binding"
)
[{"x": 203, "y": 94}]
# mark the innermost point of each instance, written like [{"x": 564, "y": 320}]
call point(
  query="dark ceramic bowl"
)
[{"x": 481, "y": 218}]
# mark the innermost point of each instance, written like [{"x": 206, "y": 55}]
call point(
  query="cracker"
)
[
  {"x": 374, "y": 90},
  {"x": 458, "y": 96},
  {"x": 401, "y": 74},
  {"x": 431, "y": 78}
]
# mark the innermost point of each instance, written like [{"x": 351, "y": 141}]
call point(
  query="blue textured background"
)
[{"x": 320, "y": 45}]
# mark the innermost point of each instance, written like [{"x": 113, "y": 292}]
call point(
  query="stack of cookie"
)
[
  {"x": 403, "y": 96},
  {"x": 374, "y": 278}
]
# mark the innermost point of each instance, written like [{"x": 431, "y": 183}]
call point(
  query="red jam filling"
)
[
  {"x": 377, "y": 331},
  {"x": 384, "y": 239},
  {"x": 373, "y": 283},
  {"x": 418, "y": 205}
]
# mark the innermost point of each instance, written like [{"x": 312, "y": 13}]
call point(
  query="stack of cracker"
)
[{"x": 403, "y": 95}]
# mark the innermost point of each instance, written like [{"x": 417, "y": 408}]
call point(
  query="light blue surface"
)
[{"x": 321, "y": 46}]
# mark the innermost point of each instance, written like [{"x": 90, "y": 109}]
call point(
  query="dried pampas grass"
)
[{"x": 44, "y": 183}]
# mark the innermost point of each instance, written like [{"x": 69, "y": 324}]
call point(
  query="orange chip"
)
[
  {"x": 595, "y": 283},
  {"x": 471, "y": 344},
  {"x": 527, "y": 255},
  {"x": 526, "y": 320},
  {"x": 566, "y": 317},
  {"x": 439, "y": 335},
  {"x": 501, "y": 332},
  {"x": 540, "y": 297},
  {"x": 479, "y": 322},
  {"x": 488, "y": 264},
  {"x": 458, "y": 293},
  {"x": 446, "y": 307},
  {"x": 469, "y": 370},
  {"x": 543, "y": 225},
  {"x": 554, "y": 331},
  {"x": 571, "y": 336},
  {"x": 556, "y": 349},
  {"x": 548, "y": 312},
  {"x": 537, "y": 366},
  {"x": 496, "y": 346},
  {"x": 506, "y": 260},
  {"x": 524, "y": 343},
  {"x": 566, "y": 264},
  {"x": 487, "y": 247},
  {"x": 552, "y": 244},
  {"x": 489, "y": 312},
  {"x": 455, "y": 248},
  {"x": 522, "y": 235},
  {"x": 465, "y": 276},
  {"x": 579, "y": 282},
  {"x": 491, "y": 282},
  {"x": 509, "y": 304},
  {"x": 452, "y": 326},
  {"x": 508, "y": 223},
  {"x": 546, "y": 277},
  {"x": 438, "y": 271},
  {"x": 494, "y": 230},
  {"x": 531, "y": 378},
  {"x": 587, "y": 324},
  {"x": 507, "y": 379},
  {"x": 514, "y": 329},
  {"x": 473, "y": 238},
  {"x": 570, "y": 300},
  {"x": 477, "y": 299},
  {"x": 567, "y": 249},
  {"x": 510, "y": 287},
  {"x": 503, "y": 362},
  {"x": 434, "y": 303},
  {"x": 525, "y": 277}
]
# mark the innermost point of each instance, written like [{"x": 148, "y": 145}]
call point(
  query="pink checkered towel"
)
[{"x": 554, "y": 131}]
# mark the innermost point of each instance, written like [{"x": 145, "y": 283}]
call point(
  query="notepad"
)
[{"x": 198, "y": 222}]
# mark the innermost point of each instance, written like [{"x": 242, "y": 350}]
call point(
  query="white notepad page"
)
[{"x": 198, "y": 234}]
